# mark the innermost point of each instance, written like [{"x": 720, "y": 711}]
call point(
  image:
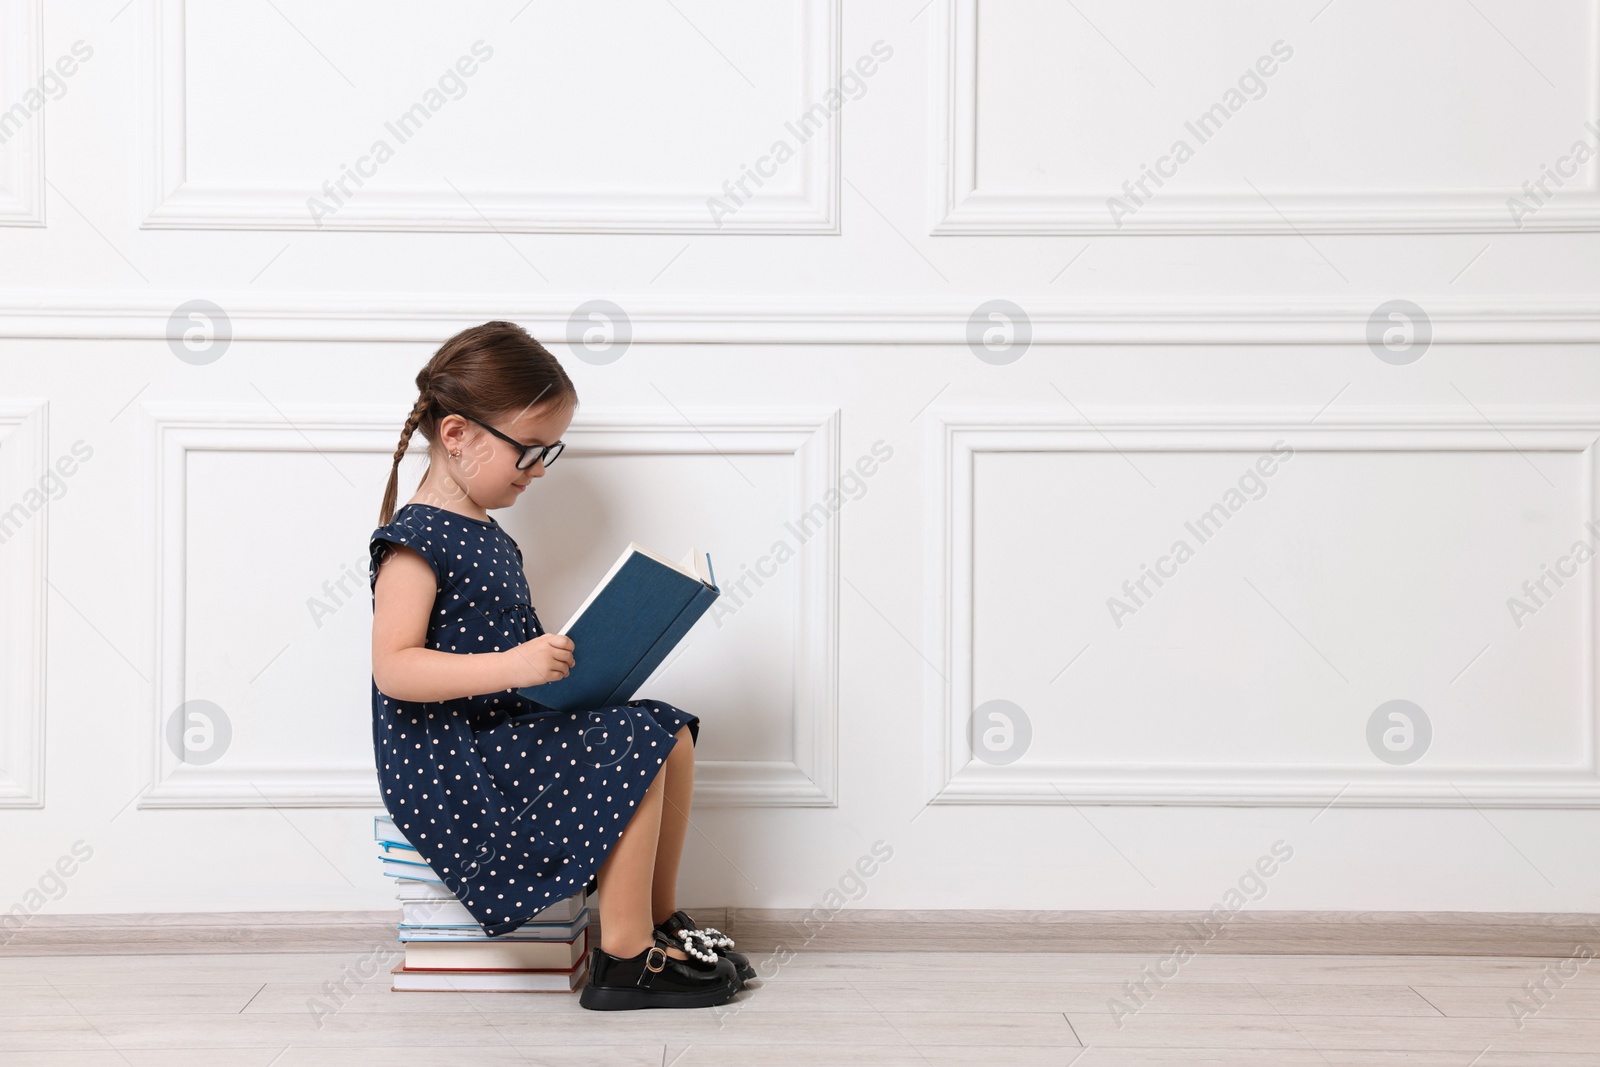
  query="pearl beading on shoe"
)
[{"x": 710, "y": 939}]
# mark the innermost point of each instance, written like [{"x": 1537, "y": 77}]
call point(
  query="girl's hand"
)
[{"x": 547, "y": 658}]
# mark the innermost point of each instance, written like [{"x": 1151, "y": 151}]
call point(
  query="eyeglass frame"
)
[{"x": 546, "y": 454}]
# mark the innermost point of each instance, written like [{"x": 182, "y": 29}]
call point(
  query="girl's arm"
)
[{"x": 405, "y": 670}]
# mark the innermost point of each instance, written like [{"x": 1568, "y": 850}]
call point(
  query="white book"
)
[
  {"x": 498, "y": 954},
  {"x": 528, "y": 931},
  {"x": 528, "y": 981},
  {"x": 447, "y": 910}
]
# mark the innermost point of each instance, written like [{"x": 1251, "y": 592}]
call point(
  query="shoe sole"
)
[{"x": 604, "y": 998}]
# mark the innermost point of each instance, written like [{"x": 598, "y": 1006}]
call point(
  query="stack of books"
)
[{"x": 447, "y": 950}]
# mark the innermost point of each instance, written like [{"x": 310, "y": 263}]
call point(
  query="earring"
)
[{"x": 455, "y": 451}]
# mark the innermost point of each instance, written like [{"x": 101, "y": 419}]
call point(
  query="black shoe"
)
[
  {"x": 701, "y": 941},
  {"x": 654, "y": 979}
]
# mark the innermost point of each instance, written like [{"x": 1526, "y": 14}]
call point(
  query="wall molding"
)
[
  {"x": 432, "y": 317},
  {"x": 173, "y": 430},
  {"x": 957, "y": 206},
  {"x": 24, "y": 618},
  {"x": 171, "y": 201},
  {"x": 954, "y": 436},
  {"x": 21, "y": 66}
]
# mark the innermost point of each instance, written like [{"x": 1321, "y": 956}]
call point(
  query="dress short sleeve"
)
[{"x": 409, "y": 530}]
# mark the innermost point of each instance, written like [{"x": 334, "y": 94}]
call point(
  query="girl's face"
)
[{"x": 487, "y": 467}]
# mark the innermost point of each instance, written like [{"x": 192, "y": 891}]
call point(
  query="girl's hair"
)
[{"x": 484, "y": 372}]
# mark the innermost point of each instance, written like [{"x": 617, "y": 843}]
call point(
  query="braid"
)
[{"x": 418, "y": 411}]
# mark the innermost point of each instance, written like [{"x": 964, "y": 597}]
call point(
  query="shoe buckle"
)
[{"x": 654, "y": 950}]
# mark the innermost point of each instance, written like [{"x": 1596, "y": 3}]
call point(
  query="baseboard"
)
[
  {"x": 157, "y": 933},
  {"x": 1243, "y": 933},
  {"x": 140, "y": 933},
  {"x": 765, "y": 930}
]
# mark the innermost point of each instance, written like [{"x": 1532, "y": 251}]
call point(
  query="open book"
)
[{"x": 624, "y": 630}]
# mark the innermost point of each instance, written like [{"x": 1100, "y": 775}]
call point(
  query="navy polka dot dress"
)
[{"x": 513, "y": 804}]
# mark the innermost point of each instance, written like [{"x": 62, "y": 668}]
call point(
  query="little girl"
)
[{"x": 513, "y": 804}]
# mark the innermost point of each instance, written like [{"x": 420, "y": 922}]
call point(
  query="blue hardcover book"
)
[
  {"x": 415, "y": 872},
  {"x": 625, "y": 629},
  {"x": 387, "y": 833},
  {"x": 388, "y": 850}
]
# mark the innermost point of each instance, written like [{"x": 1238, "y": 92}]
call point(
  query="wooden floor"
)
[{"x": 879, "y": 1008}]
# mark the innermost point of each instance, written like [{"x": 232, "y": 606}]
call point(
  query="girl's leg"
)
[
  {"x": 624, "y": 879},
  {"x": 679, "y": 772}
]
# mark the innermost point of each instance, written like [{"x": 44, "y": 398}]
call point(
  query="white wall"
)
[{"x": 763, "y": 351}]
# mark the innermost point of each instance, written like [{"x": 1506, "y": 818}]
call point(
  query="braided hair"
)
[{"x": 483, "y": 372}]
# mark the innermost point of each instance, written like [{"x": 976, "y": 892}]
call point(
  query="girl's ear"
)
[{"x": 452, "y": 432}]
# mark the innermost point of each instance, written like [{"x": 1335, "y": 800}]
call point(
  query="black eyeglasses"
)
[{"x": 528, "y": 454}]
